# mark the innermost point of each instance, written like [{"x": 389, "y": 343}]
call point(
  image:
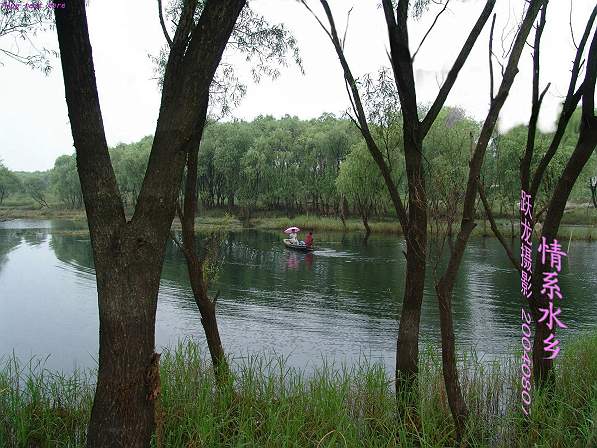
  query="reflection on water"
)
[{"x": 339, "y": 301}]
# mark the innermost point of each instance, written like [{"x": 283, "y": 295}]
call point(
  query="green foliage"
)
[
  {"x": 37, "y": 186},
  {"x": 65, "y": 182},
  {"x": 212, "y": 257},
  {"x": 130, "y": 162},
  {"x": 9, "y": 183},
  {"x": 272, "y": 405},
  {"x": 18, "y": 28},
  {"x": 447, "y": 149},
  {"x": 360, "y": 182},
  {"x": 263, "y": 46},
  {"x": 294, "y": 166}
]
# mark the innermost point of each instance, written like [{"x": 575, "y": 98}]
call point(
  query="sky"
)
[{"x": 34, "y": 125}]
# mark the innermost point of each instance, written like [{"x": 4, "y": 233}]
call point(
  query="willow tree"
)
[
  {"x": 128, "y": 254},
  {"x": 361, "y": 184}
]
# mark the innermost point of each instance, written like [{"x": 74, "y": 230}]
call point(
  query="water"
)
[{"x": 339, "y": 302}]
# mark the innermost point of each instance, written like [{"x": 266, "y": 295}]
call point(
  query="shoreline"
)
[{"x": 218, "y": 220}]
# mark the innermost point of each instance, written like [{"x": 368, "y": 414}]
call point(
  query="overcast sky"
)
[{"x": 34, "y": 127}]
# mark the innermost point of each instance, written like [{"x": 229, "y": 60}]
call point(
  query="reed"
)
[{"x": 269, "y": 404}]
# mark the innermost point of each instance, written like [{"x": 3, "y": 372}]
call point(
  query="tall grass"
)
[{"x": 269, "y": 404}]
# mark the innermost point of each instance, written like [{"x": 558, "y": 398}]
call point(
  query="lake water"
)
[{"x": 339, "y": 302}]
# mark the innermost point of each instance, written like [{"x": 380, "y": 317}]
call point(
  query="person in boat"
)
[
  {"x": 292, "y": 238},
  {"x": 309, "y": 239}
]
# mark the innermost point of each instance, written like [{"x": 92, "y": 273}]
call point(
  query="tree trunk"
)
[
  {"x": 407, "y": 347},
  {"x": 365, "y": 219},
  {"x": 450, "y": 372},
  {"x": 445, "y": 286},
  {"x": 207, "y": 307},
  {"x": 123, "y": 411}
]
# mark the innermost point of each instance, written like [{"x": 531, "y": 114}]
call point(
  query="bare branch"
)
[
  {"x": 164, "y": 30},
  {"x": 536, "y": 100},
  {"x": 359, "y": 111},
  {"x": 429, "y": 30},
  {"x": 458, "y": 64},
  {"x": 496, "y": 230},
  {"x": 491, "y": 59},
  {"x": 346, "y": 29},
  {"x": 571, "y": 101},
  {"x": 571, "y": 30},
  {"x": 317, "y": 18}
]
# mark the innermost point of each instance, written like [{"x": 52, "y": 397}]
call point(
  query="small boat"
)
[{"x": 301, "y": 247}]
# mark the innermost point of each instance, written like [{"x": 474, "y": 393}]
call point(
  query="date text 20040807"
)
[{"x": 6, "y": 6}]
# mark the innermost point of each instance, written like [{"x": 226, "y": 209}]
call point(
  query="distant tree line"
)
[{"x": 319, "y": 166}]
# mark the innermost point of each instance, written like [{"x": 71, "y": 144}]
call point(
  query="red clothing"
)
[{"x": 309, "y": 240}]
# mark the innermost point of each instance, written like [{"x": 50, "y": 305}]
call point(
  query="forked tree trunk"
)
[{"x": 128, "y": 256}]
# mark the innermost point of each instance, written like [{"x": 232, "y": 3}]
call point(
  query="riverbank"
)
[
  {"x": 219, "y": 220},
  {"x": 274, "y": 406}
]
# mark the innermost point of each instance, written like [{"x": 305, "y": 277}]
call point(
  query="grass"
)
[{"x": 272, "y": 405}]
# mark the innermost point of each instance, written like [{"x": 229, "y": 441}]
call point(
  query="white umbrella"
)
[{"x": 292, "y": 230}]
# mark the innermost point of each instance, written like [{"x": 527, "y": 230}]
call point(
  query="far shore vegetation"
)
[
  {"x": 268, "y": 404},
  {"x": 271, "y": 173},
  {"x": 579, "y": 223}
]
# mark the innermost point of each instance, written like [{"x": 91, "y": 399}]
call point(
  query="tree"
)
[
  {"x": 36, "y": 185},
  {"x": 65, "y": 182},
  {"x": 445, "y": 285},
  {"x": 532, "y": 179},
  {"x": 414, "y": 219},
  {"x": 360, "y": 182},
  {"x": 257, "y": 40},
  {"x": 9, "y": 183},
  {"x": 128, "y": 255}
]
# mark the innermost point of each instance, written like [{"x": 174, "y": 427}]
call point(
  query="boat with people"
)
[
  {"x": 300, "y": 246},
  {"x": 292, "y": 241}
]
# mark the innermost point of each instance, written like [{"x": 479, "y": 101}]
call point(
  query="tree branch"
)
[
  {"x": 570, "y": 102},
  {"x": 536, "y": 100},
  {"x": 360, "y": 114},
  {"x": 458, "y": 64},
  {"x": 164, "y": 30},
  {"x": 346, "y": 29},
  {"x": 571, "y": 30},
  {"x": 495, "y": 228},
  {"x": 429, "y": 30},
  {"x": 491, "y": 59}
]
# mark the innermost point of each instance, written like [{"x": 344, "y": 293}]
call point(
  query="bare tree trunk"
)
[
  {"x": 128, "y": 256},
  {"x": 444, "y": 287},
  {"x": 207, "y": 307}
]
